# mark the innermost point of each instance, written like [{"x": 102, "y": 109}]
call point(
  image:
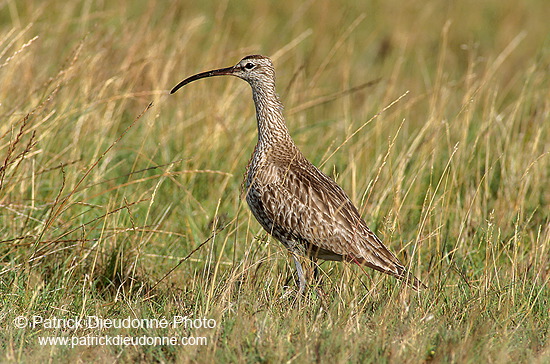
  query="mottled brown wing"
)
[{"x": 305, "y": 202}]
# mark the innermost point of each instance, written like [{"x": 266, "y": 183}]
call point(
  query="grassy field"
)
[{"x": 114, "y": 208}]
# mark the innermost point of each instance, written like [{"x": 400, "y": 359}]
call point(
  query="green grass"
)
[{"x": 102, "y": 197}]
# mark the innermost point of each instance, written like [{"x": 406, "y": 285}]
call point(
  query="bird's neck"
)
[{"x": 272, "y": 128}]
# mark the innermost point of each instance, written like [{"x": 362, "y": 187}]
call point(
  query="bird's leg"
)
[
  {"x": 316, "y": 275},
  {"x": 301, "y": 277}
]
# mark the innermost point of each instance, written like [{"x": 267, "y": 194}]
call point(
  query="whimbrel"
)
[{"x": 291, "y": 198}]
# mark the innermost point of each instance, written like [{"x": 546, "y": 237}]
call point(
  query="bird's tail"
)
[
  {"x": 410, "y": 279},
  {"x": 399, "y": 272}
]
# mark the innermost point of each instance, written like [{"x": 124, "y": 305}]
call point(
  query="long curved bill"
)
[{"x": 219, "y": 72}]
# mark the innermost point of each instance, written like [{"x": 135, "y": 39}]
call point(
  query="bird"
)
[{"x": 292, "y": 199}]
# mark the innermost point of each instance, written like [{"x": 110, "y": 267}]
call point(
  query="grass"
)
[{"x": 115, "y": 208}]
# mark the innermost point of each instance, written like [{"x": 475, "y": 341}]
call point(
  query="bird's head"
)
[{"x": 253, "y": 69}]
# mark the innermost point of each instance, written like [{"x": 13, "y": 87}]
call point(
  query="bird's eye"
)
[{"x": 249, "y": 66}]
